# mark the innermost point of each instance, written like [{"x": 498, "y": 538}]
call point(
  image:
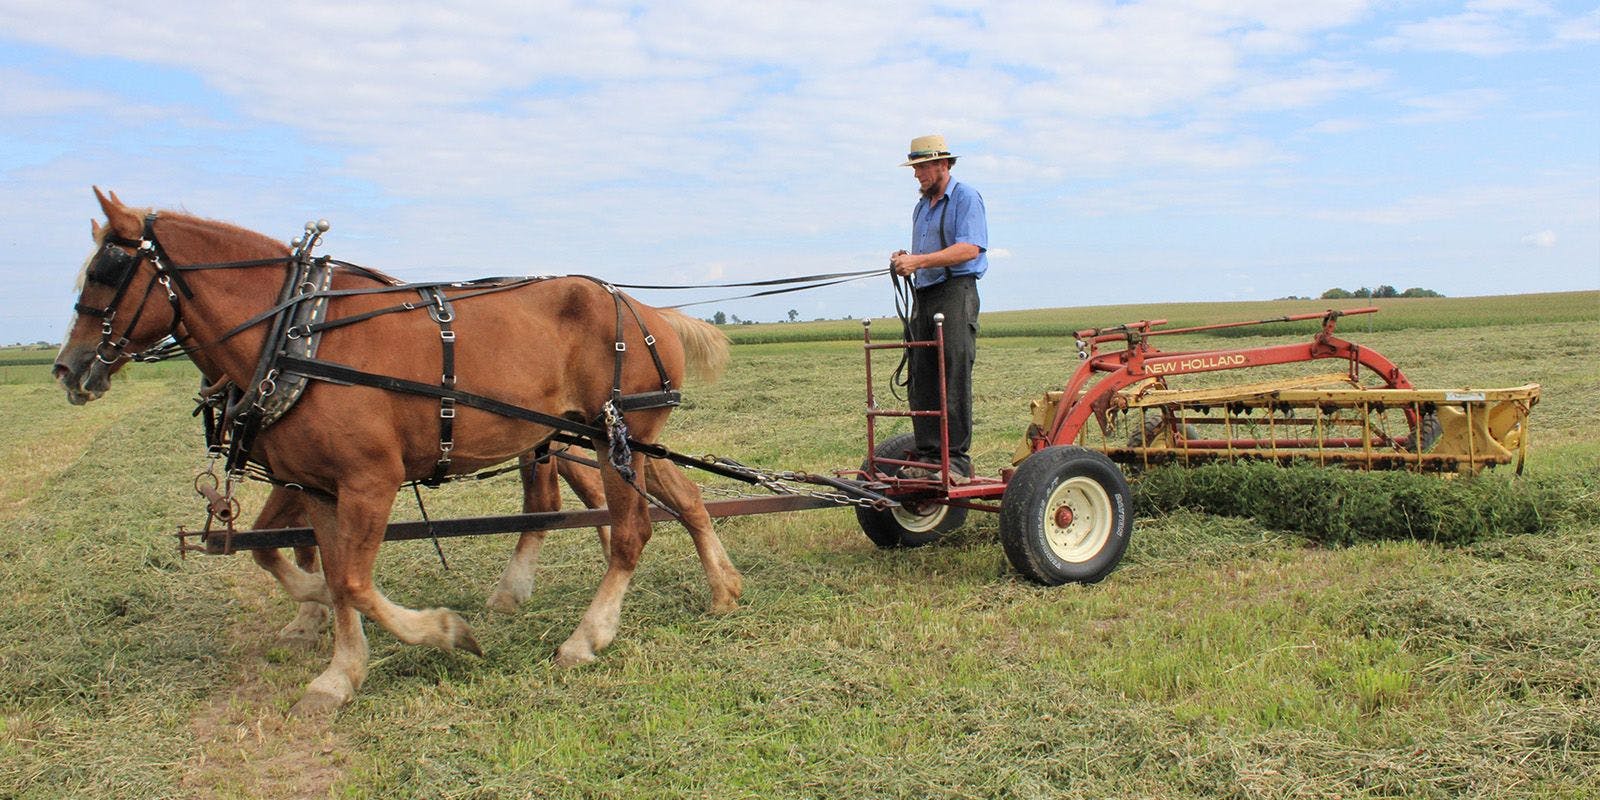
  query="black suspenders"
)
[{"x": 944, "y": 241}]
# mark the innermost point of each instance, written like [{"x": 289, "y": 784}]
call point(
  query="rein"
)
[{"x": 807, "y": 281}]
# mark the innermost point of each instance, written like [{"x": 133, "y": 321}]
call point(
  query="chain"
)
[{"x": 781, "y": 482}]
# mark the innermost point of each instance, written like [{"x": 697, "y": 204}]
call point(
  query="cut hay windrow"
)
[{"x": 1345, "y": 507}]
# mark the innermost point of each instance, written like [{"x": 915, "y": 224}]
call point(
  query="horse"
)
[{"x": 554, "y": 351}]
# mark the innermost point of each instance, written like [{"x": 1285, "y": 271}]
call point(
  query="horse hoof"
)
[
  {"x": 567, "y": 656},
  {"x": 458, "y": 635},
  {"x": 298, "y": 637},
  {"x": 316, "y": 704},
  {"x": 725, "y": 606},
  {"x": 504, "y": 603},
  {"x": 305, "y": 630}
]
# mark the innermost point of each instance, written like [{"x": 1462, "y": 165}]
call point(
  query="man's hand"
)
[{"x": 902, "y": 263}]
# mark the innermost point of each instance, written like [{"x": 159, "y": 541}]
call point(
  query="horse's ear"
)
[
  {"x": 94, "y": 229},
  {"x": 118, "y": 217}
]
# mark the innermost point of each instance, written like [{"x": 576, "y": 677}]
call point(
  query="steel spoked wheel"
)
[
  {"x": 912, "y": 524},
  {"x": 1067, "y": 515}
]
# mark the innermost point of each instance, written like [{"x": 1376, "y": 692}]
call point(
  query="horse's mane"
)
[
  {"x": 245, "y": 238},
  {"x": 234, "y": 243}
]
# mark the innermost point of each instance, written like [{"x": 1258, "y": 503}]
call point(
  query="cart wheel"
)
[
  {"x": 912, "y": 524},
  {"x": 1067, "y": 515}
]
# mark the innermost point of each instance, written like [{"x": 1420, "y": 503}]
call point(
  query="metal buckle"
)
[
  {"x": 268, "y": 385},
  {"x": 447, "y": 334},
  {"x": 622, "y": 347}
]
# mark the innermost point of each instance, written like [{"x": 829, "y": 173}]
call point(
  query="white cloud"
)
[
  {"x": 1338, "y": 126},
  {"x": 1544, "y": 238},
  {"x": 1451, "y": 106},
  {"x": 1493, "y": 28},
  {"x": 1580, "y": 30}
]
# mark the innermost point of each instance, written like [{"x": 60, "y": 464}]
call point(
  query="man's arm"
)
[{"x": 904, "y": 263}]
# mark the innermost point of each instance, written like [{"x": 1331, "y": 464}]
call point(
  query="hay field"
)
[{"x": 1224, "y": 658}]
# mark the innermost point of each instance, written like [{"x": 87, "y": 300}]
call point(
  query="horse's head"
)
[{"x": 125, "y": 303}]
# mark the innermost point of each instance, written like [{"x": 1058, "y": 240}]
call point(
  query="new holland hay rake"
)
[{"x": 1368, "y": 415}]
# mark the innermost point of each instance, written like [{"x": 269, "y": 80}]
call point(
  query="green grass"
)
[{"x": 1229, "y": 656}]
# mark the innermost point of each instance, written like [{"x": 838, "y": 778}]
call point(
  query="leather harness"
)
[{"x": 236, "y": 415}]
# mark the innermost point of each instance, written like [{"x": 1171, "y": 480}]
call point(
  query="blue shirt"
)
[{"x": 956, "y": 217}]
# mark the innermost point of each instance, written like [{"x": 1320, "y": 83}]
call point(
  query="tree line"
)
[
  {"x": 1382, "y": 291},
  {"x": 1337, "y": 293}
]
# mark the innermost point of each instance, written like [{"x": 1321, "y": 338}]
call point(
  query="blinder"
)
[{"x": 113, "y": 265}]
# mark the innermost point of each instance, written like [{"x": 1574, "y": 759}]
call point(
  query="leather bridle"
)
[{"x": 115, "y": 267}]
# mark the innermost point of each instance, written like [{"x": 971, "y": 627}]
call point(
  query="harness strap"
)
[
  {"x": 425, "y": 289},
  {"x": 332, "y": 372},
  {"x": 306, "y": 330},
  {"x": 443, "y": 313},
  {"x": 649, "y": 342}
]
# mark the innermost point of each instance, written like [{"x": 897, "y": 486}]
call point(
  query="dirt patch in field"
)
[{"x": 247, "y": 746}]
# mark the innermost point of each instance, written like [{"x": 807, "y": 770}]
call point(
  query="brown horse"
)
[{"x": 548, "y": 347}]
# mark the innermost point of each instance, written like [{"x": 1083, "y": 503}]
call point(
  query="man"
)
[{"x": 949, "y": 244}]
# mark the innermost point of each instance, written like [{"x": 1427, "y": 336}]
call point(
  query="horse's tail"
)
[{"x": 705, "y": 348}]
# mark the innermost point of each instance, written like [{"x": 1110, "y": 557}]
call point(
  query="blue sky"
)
[{"x": 1127, "y": 151}]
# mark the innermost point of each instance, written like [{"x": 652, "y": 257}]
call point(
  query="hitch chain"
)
[{"x": 780, "y": 482}]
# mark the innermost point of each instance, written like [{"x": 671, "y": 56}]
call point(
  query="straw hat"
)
[{"x": 927, "y": 148}]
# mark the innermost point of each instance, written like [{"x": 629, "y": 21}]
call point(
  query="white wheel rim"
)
[
  {"x": 1077, "y": 519},
  {"x": 914, "y": 522}
]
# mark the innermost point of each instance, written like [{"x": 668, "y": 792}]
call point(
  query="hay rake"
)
[{"x": 1367, "y": 416}]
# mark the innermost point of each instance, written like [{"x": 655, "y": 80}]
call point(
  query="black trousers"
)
[{"x": 957, "y": 299}]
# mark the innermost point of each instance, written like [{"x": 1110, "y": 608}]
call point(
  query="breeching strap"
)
[{"x": 568, "y": 430}]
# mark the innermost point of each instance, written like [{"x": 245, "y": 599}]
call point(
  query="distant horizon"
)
[{"x": 890, "y": 316}]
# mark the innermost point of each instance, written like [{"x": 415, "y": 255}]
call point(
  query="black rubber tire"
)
[
  {"x": 1431, "y": 430},
  {"x": 1091, "y": 543},
  {"x": 1154, "y": 427},
  {"x": 912, "y": 524}
]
